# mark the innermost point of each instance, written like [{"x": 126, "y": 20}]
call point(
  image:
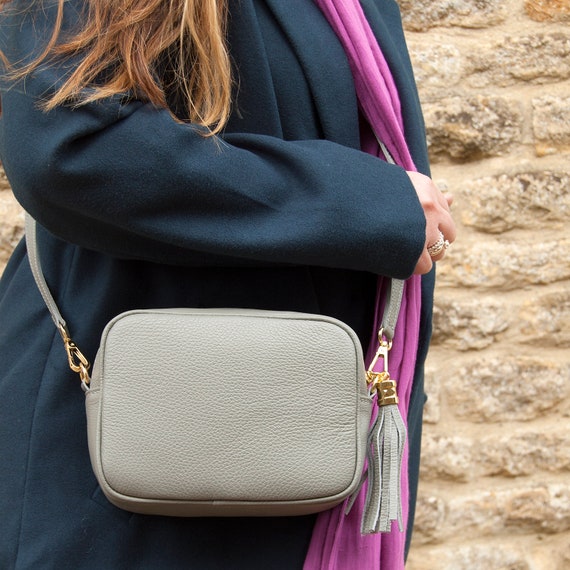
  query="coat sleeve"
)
[{"x": 122, "y": 177}]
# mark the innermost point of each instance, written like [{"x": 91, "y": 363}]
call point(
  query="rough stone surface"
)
[
  {"x": 506, "y": 389},
  {"x": 487, "y": 557},
  {"x": 4, "y": 184},
  {"x": 507, "y": 265},
  {"x": 564, "y": 558},
  {"x": 524, "y": 453},
  {"x": 551, "y": 124},
  {"x": 473, "y": 127},
  {"x": 430, "y": 514},
  {"x": 420, "y": 15},
  {"x": 500, "y": 452},
  {"x": 542, "y": 508},
  {"x": 469, "y": 324},
  {"x": 544, "y": 320},
  {"x": 538, "y": 508},
  {"x": 548, "y": 10},
  {"x": 478, "y": 557},
  {"x": 436, "y": 65},
  {"x": 496, "y": 439},
  {"x": 432, "y": 409},
  {"x": 11, "y": 225},
  {"x": 447, "y": 457},
  {"x": 530, "y": 200},
  {"x": 538, "y": 58}
]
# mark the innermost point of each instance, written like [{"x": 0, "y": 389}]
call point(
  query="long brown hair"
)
[{"x": 125, "y": 40}]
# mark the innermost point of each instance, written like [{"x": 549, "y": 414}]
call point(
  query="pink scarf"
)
[{"x": 336, "y": 543}]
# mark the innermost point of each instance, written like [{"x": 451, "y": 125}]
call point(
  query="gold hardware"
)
[
  {"x": 75, "y": 358},
  {"x": 386, "y": 391},
  {"x": 384, "y": 347},
  {"x": 380, "y": 382},
  {"x": 374, "y": 380},
  {"x": 382, "y": 353}
]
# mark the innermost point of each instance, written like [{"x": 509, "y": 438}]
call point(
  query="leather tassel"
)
[
  {"x": 384, "y": 497},
  {"x": 386, "y": 441}
]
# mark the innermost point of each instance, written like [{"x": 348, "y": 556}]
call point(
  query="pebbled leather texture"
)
[{"x": 227, "y": 412}]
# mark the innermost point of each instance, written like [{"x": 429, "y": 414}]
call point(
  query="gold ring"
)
[{"x": 439, "y": 246}]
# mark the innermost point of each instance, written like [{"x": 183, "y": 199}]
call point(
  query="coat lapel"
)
[
  {"x": 324, "y": 63},
  {"x": 254, "y": 113}
]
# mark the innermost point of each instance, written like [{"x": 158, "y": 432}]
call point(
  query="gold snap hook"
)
[
  {"x": 380, "y": 382},
  {"x": 75, "y": 358}
]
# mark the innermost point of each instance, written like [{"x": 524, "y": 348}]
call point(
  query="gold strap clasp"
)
[
  {"x": 75, "y": 358},
  {"x": 380, "y": 382}
]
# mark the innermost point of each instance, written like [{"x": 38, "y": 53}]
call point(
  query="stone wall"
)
[
  {"x": 494, "y": 78},
  {"x": 11, "y": 221}
]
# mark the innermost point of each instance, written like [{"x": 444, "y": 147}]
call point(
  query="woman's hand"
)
[{"x": 440, "y": 227}]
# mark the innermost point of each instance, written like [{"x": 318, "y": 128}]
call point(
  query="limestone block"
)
[
  {"x": 446, "y": 458},
  {"x": 509, "y": 388},
  {"x": 539, "y": 509},
  {"x": 11, "y": 225},
  {"x": 538, "y": 58},
  {"x": 420, "y": 15},
  {"x": 551, "y": 124},
  {"x": 506, "y": 265},
  {"x": 422, "y": 558},
  {"x": 524, "y": 453},
  {"x": 436, "y": 64},
  {"x": 432, "y": 408},
  {"x": 477, "y": 513},
  {"x": 564, "y": 562},
  {"x": 468, "y": 324},
  {"x": 528, "y": 200},
  {"x": 472, "y": 557},
  {"x": 430, "y": 514},
  {"x": 552, "y": 554},
  {"x": 497, "y": 452},
  {"x": 536, "y": 508},
  {"x": 545, "y": 319},
  {"x": 4, "y": 184},
  {"x": 548, "y": 10},
  {"x": 469, "y": 128}
]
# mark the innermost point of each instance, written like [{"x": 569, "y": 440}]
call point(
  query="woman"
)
[{"x": 158, "y": 181}]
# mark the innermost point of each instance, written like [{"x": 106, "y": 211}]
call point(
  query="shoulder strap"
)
[
  {"x": 36, "y": 266},
  {"x": 78, "y": 363},
  {"x": 392, "y": 307}
]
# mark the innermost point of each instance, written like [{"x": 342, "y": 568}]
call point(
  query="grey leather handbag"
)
[{"x": 224, "y": 412}]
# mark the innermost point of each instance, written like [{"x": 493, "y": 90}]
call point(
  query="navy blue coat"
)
[{"x": 140, "y": 211}]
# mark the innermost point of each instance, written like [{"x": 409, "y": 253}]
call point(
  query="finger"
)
[
  {"x": 437, "y": 246},
  {"x": 429, "y": 194},
  {"x": 424, "y": 265},
  {"x": 448, "y": 228},
  {"x": 445, "y": 193},
  {"x": 444, "y": 199}
]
